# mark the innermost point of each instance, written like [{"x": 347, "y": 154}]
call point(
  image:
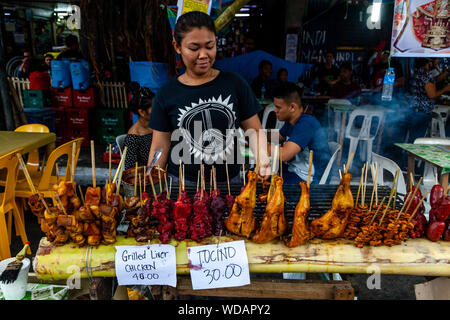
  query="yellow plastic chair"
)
[
  {"x": 44, "y": 184},
  {"x": 33, "y": 156},
  {"x": 8, "y": 205}
]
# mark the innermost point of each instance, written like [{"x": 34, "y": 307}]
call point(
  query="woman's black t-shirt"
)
[{"x": 203, "y": 120}]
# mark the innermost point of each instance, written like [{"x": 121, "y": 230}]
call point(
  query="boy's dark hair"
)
[
  {"x": 289, "y": 92},
  {"x": 142, "y": 98},
  {"x": 346, "y": 65},
  {"x": 421, "y": 62},
  {"x": 263, "y": 63},
  {"x": 190, "y": 20},
  {"x": 48, "y": 55},
  {"x": 280, "y": 71},
  {"x": 35, "y": 65},
  {"x": 71, "y": 40}
]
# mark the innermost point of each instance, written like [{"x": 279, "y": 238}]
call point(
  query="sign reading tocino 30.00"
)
[
  {"x": 421, "y": 28},
  {"x": 219, "y": 266},
  {"x": 146, "y": 265}
]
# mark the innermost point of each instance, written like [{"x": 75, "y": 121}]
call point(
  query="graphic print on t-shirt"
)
[{"x": 204, "y": 126}]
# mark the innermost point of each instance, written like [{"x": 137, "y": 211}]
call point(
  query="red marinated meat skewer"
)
[
  {"x": 182, "y": 212},
  {"x": 218, "y": 209},
  {"x": 201, "y": 226},
  {"x": 162, "y": 211}
]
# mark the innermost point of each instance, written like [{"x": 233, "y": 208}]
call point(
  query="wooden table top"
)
[{"x": 10, "y": 141}]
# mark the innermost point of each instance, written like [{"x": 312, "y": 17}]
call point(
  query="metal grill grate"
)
[{"x": 321, "y": 197}]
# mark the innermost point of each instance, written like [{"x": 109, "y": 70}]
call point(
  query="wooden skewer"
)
[
  {"x": 159, "y": 177},
  {"x": 411, "y": 180},
  {"x": 309, "y": 168},
  {"x": 340, "y": 174},
  {"x": 27, "y": 174},
  {"x": 391, "y": 194},
  {"x": 153, "y": 187},
  {"x": 365, "y": 183},
  {"x": 60, "y": 203},
  {"x": 378, "y": 209},
  {"x": 183, "y": 177},
  {"x": 210, "y": 180},
  {"x": 167, "y": 185},
  {"x": 81, "y": 194},
  {"x": 72, "y": 172},
  {"x": 228, "y": 178},
  {"x": 281, "y": 162},
  {"x": 107, "y": 190},
  {"x": 395, "y": 191},
  {"x": 121, "y": 164},
  {"x": 243, "y": 173},
  {"x": 412, "y": 197},
  {"x": 198, "y": 178},
  {"x": 360, "y": 183},
  {"x": 94, "y": 184},
  {"x": 57, "y": 172},
  {"x": 349, "y": 162},
  {"x": 417, "y": 208},
  {"x": 201, "y": 179},
  {"x": 140, "y": 189},
  {"x": 215, "y": 179},
  {"x": 274, "y": 159},
  {"x": 436, "y": 178},
  {"x": 257, "y": 153},
  {"x": 179, "y": 181},
  {"x": 376, "y": 186},
  {"x": 375, "y": 180}
]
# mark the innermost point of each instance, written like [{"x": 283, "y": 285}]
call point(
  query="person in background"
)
[
  {"x": 139, "y": 137},
  {"x": 72, "y": 50},
  {"x": 38, "y": 75},
  {"x": 282, "y": 76},
  {"x": 48, "y": 61},
  {"x": 23, "y": 71},
  {"x": 300, "y": 134},
  {"x": 422, "y": 94},
  {"x": 437, "y": 73},
  {"x": 327, "y": 74},
  {"x": 262, "y": 80},
  {"x": 345, "y": 88},
  {"x": 249, "y": 44},
  {"x": 379, "y": 70}
]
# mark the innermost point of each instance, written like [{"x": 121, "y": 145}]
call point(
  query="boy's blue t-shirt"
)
[{"x": 309, "y": 135}]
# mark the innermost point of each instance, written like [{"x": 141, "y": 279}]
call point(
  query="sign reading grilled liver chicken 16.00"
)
[
  {"x": 146, "y": 265},
  {"x": 219, "y": 266}
]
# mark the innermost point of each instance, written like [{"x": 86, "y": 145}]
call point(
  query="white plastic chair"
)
[
  {"x": 267, "y": 110},
  {"x": 335, "y": 117},
  {"x": 120, "y": 140},
  {"x": 437, "y": 125},
  {"x": 363, "y": 134},
  {"x": 392, "y": 167},
  {"x": 334, "y": 149}
]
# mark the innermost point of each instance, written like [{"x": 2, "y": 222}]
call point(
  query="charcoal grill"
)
[{"x": 321, "y": 197}]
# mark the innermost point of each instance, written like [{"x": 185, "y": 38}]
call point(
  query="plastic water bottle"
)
[
  {"x": 388, "y": 85},
  {"x": 263, "y": 92}
]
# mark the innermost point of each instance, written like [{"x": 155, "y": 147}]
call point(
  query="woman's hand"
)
[{"x": 160, "y": 140}]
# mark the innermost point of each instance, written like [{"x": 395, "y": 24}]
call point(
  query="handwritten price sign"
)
[
  {"x": 219, "y": 266},
  {"x": 146, "y": 265}
]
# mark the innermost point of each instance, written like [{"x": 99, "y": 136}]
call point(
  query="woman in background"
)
[{"x": 139, "y": 137}]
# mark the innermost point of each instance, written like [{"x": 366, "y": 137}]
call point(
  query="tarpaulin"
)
[
  {"x": 246, "y": 65},
  {"x": 149, "y": 74}
]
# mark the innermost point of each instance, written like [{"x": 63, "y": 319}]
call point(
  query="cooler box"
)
[
  {"x": 84, "y": 98},
  {"x": 79, "y": 71},
  {"x": 42, "y": 116},
  {"x": 61, "y": 77},
  {"x": 61, "y": 97},
  {"x": 34, "y": 99}
]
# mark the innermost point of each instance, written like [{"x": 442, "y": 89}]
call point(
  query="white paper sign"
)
[
  {"x": 219, "y": 266},
  {"x": 146, "y": 265}
]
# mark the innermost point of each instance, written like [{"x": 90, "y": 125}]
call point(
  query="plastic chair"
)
[
  {"x": 120, "y": 140},
  {"x": 267, "y": 110},
  {"x": 363, "y": 134},
  {"x": 33, "y": 156},
  {"x": 392, "y": 167},
  {"x": 335, "y": 117},
  {"x": 334, "y": 149},
  {"x": 46, "y": 181},
  {"x": 8, "y": 205},
  {"x": 437, "y": 128}
]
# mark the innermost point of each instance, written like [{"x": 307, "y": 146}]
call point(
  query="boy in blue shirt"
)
[{"x": 300, "y": 134}]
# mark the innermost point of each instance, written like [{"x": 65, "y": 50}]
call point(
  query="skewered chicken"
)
[
  {"x": 162, "y": 208},
  {"x": 92, "y": 197},
  {"x": 274, "y": 223},
  {"x": 93, "y": 233},
  {"x": 300, "y": 229},
  {"x": 332, "y": 224},
  {"x": 241, "y": 220},
  {"x": 36, "y": 206},
  {"x": 109, "y": 223}
]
